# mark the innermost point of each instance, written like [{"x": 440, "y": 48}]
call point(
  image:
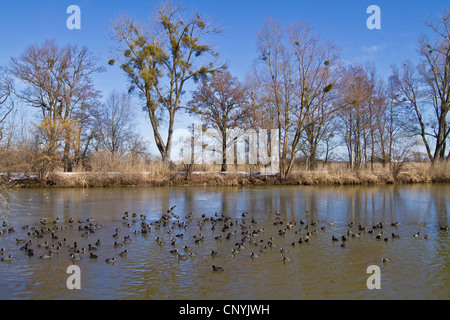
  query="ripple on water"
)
[{"x": 319, "y": 269}]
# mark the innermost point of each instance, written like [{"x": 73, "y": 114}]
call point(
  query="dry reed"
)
[{"x": 107, "y": 171}]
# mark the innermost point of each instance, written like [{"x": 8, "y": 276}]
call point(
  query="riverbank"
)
[{"x": 334, "y": 175}]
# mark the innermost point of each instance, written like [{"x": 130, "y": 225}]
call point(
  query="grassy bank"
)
[{"x": 334, "y": 174}]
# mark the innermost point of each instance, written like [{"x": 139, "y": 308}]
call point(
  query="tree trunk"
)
[
  {"x": 158, "y": 140},
  {"x": 313, "y": 157},
  {"x": 439, "y": 153},
  {"x": 66, "y": 157},
  {"x": 224, "y": 152}
]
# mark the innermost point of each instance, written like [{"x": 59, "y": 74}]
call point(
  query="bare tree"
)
[
  {"x": 297, "y": 71},
  {"x": 273, "y": 59},
  {"x": 222, "y": 102},
  {"x": 58, "y": 82},
  {"x": 261, "y": 107},
  {"x": 117, "y": 123},
  {"x": 6, "y": 100},
  {"x": 160, "y": 58},
  {"x": 388, "y": 127},
  {"x": 355, "y": 91},
  {"x": 318, "y": 134},
  {"x": 425, "y": 89}
]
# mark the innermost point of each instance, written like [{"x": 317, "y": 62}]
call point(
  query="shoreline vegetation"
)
[{"x": 157, "y": 175}]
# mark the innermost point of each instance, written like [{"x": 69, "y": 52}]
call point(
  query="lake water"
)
[{"x": 265, "y": 221}]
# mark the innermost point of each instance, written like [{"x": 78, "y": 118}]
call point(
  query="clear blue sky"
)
[{"x": 26, "y": 22}]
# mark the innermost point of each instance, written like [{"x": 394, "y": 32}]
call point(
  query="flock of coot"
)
[{"x": 48, "y": 238}]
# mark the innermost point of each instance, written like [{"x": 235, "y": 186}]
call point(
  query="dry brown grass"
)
[
  {"x": 340, "y": 174},
  {"x": 125, "y": 171},
  {"x": 427, "y": 172},
  {"x": 106, "y": 170}
]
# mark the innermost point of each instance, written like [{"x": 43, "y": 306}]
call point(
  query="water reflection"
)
[
  {"x": 319, "y": 268},
  {"x": 366, "y": 205}
]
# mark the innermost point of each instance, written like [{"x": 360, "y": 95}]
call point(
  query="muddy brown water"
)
[{"x": 263, "y": 220}]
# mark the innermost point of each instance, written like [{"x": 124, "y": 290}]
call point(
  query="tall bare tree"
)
[
  {"x": 222, "y": 102},
  {"x": 297, "y": 71},
  {"x": 117, "y": 123},
  {"x": 160, "y": 57},
  {"x": 425, "y": 88},
  {"x": 355, "y": 90},
  {"x": 58, "y": 82}
]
